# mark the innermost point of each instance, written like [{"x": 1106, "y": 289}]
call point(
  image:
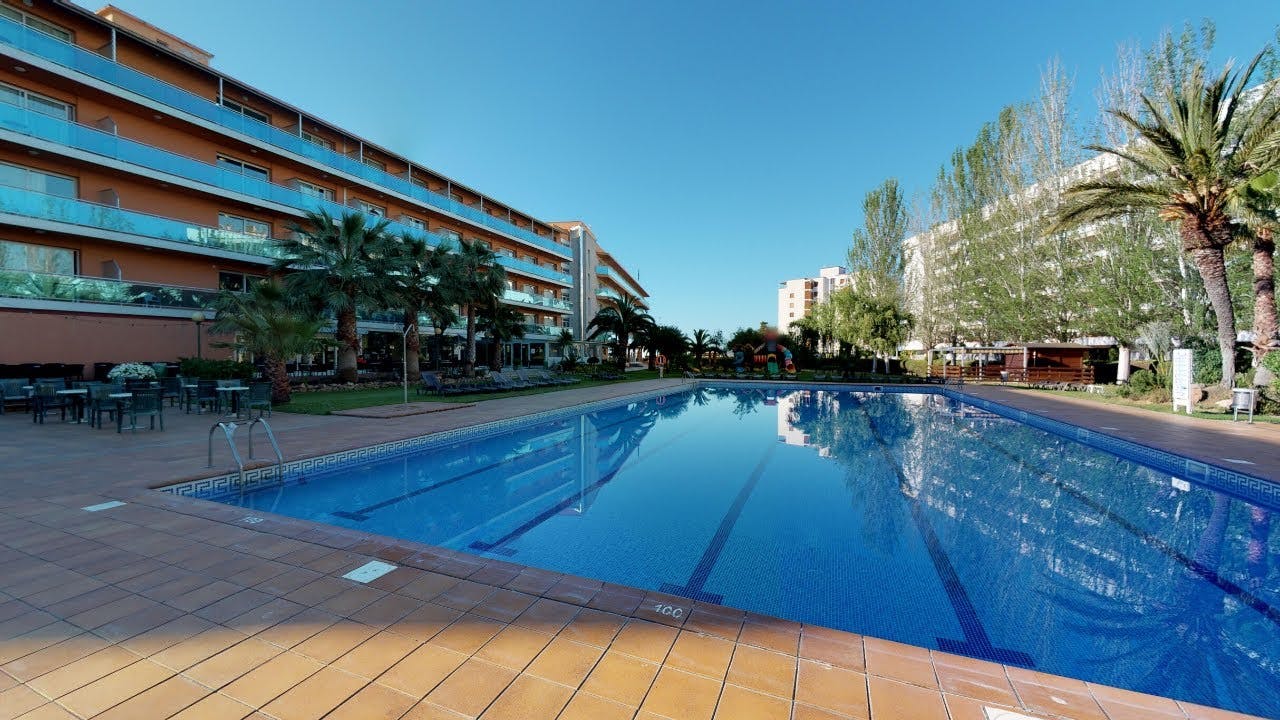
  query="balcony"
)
[
  {"x": 552, "y": 331},
  {"x": 92, "y": 140},
  {"x": 103, "y": 291},
  {"x": 76, "y": 58},
  {"x": 524, "y": 298},
  {"x": 41, "y": 206},
  {"x": 617, "y": 279}
]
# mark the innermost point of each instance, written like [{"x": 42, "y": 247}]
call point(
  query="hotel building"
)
[
  {"x": 136, "y": 181},
  {"x": 797, "y": 297},
  {"x": 598, "y": 277}
]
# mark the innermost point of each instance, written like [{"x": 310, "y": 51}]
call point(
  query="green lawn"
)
[
  {"x": 322, "y": 403},
  {"x": 1166, "y": 408}
]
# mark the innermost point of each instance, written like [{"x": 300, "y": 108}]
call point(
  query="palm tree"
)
[
  {"x": 564, "y": 342},
  {"x": 1260, "y": 205},
  {"x": 338, "y": 265},
  {"x": 622, "y": 317},
  {"x": 665, "y": 339},
  {"x": 1197, "y": 151},
  {"x": 501, "y": 323},
  {"x": 268, "y": 324},
  {"x": 416, "y": 270},
  {"x": 477, "y": 280},
  {"x": 701, "y": 344}
]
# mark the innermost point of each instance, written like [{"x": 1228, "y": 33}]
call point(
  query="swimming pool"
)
[{"x": 907, "y": 516}]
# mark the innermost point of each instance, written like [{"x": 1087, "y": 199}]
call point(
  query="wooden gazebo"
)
[{"x": 1029, "y": 363}]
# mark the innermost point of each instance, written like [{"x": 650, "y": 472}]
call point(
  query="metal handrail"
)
[
  {"x": 229, "y": 430},
  {"x": 274, "y": 446}
]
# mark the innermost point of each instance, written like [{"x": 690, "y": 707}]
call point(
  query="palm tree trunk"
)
[
  {"x": 1213, "y": 271},
  {"x": 348, "y": 345},
  {"x": 412, "y": 343},
  {"x": 469, "y": 359},
  {"x": 495, "y": 354},
  {"x": 1264, "y": 294},
  {"x": 278, "y": 375}
]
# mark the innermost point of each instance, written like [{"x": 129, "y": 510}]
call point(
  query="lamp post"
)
[
  {"x": 198, "y": 318},
  {"x": 404, "y": 367}
]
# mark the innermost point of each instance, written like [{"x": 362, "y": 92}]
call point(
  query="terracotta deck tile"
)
[
  {"x": 233, "y": 662},
  {"x": 430, "y": 711},
  {"x": 467, "y": 634},
  {"x": 514, "y": 647},
  {"x": 529, "y": 697},
  {"x": 234, "y": 605},
  {"x": 318, "y": 590},
  {"x": 682, "y": 695},
  {"x": 161, "y": 701},
  {"x": 533, "y": 581},
  {"x": 622, "y": 603},
  {"x": 1127, "y": 705},
  {"x": 37, "y": 663},
  {"x": 621, "y": 678},
  {"x": 335, "y": 641},
  {"x": 965, "y": 708},
  {"x": 565, "y": 662},
  {"x": 1200, "y": 712},
  {"x": 890, "y": 698},
  {"x": 79, "y": 673},
  {"x": 202, "y": 596},
  {"x": 737, "y": 703},
  {"x": 60, "y": 591},
  {"x": 988, "y": 687},
  {"x": 594, "y": 627},
  {"x": 703, "y": 621},
  {"x": 316, "y": 696},
  {"x": 905, "y": 668},
  {"x": 1058, "y": 701},
  {"x": 585, "y": 706},
  {"x": 271, "y": 679},
  {"x": 497, "y": 574},
  {"x": 835, "y": 689},
  {"x": 376, "y": 655},
  {"x": 422, "y": 670},
  {"x": 48, "y": 711},
  {"x": 386, "y": 610},
  {"x": 700, "y": 654},
  {"x": 352, "y": 600},
  {"x": 472, "y": 687},
  {"x": 396, "y": 579},
  {"x": 763, "y": 670},
  {"x": 289, "y": 631},
  {"x": 771, "y": 637},
  {"x": 548, "y": 616},
  {"x": 425, "y": 622},
  {"x": 847, "y": 654},
  {"x": 37, "y": 640},
  {"x": 428, "y": 586},
  {"x": 167, "y": 635},
  {"x": 215, "y": 707},
  {"x": 18, "y": 700},
  {"x": 195, "y": 649},
  {"x": 115, "y": 688},
  {"x": 373, "y": 702},
  {"x": 139, "y": 622},
  {"x": 464, "y": 595},
  {"x": 504, "y": 605}
]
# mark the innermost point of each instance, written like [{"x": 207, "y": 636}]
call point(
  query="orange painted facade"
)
[{"x": 107, "y": 240}]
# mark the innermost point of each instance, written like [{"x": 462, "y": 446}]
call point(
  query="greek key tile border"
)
[{"x": 1248, "y": 487}]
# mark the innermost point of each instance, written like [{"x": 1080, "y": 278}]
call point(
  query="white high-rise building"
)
[{"x": 797, "y": 297}]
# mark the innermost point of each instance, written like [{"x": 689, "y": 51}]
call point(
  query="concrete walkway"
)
[{"x": 170, "y": 607}]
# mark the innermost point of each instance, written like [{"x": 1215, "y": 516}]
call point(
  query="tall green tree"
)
[
  {"x": 702, "y": 343},
  {"x": 501, "y": 324},
  {"x": 417, "y": 272},
  {"x": 477, "y": 281},
  {"x": 339, "y": 265},
  {"x": 267, "y": 323},
  {"x": 622, "y": 317},
  {"x": 876, "y": 256},
  {"x": 1198, "y": 151}
]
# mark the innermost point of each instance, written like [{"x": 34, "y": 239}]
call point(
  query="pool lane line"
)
[
  {"x": 977, "y": 643},
  {"x": 498, "y": 545},
  {"x": 362, "y": 514},
  {"x": 1247, "y": 598},
  {"x": 693, "y": 587}
]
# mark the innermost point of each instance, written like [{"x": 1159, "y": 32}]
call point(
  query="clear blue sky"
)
[{"x": 715, "y": 147}]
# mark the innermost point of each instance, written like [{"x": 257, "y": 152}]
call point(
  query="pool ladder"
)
[{"x": 229, "y": 431}]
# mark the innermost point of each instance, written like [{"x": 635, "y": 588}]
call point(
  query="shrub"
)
[
  {"x": 1142, "y": 382},
  {"x": 132, "y": 371},
  {"x": 215, "y": 369}
]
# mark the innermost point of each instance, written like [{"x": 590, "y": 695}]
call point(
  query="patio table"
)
[
  {"x": 77, "y": 398},
  {"x": 236, "y": 391}
]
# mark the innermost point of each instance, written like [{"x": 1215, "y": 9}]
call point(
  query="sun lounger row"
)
[{"x": 493, "y": 382}]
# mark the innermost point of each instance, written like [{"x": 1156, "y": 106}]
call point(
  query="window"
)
[
  {"x": 244, "y": 226},
  {"x": 37, "y": 180},
  {"x": 549, "y": 320},
  {"x": 35, "y": 23},
  {"x": 529, "y": 288},
  {"x": 241, "y": 167},
  {"x": 508, "y": 252},
  {"x": 369, "y": 208},
  {"x": 791, "y": 314},
  {"x": 549, "y": 294},
  {"x": 246, "y": 111},
  {"x": 237, "y": 282},
  {"x": 317, "y": 140},
  {"x": 529, "y": 319},
  {"x": 413, "y": 222},
  {"x": 447, "y": 234},
  {"x": 531, "y": 260},
  {"x": 314, "y": 191},
  {"x": 37, "y": 258},
  {"x": 375, "y": 164},
  {"x": 483, "y": 243},
  {"x": 36, "y": 102}
]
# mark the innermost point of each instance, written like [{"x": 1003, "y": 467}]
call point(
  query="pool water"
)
[{"x": 910, "y": 517}]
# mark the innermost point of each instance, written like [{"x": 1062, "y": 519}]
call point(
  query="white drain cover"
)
[
  {"x": 370, "y": 571},
  {"x": 103, "y": 506}
]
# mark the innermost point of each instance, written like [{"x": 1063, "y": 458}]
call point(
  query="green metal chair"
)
[
  {"x": 100, "y": 401},
  {"x": 46, "y": 398},
  {"x": 144, "y": 403},
  {"x": 259, "y": 398}
]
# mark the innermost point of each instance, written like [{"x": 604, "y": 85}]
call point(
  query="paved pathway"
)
[{"x": 171, "y": 607}]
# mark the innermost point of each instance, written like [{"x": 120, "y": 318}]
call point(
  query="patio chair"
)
[
  {"x": 554, "y": 378},
  {"x": 260, "y": 398},
  {"x": 131, "y": 384},
  {"x": 100, "y": 401},
  {"x": 46, "y": 398},
  {"x": 144, "y": 403},
  {"x": 207, "y": 394},
  {"x": 171, "y": 389},
  {"x": 11, "y": 392},
  {"x": 529, "y": 378}
]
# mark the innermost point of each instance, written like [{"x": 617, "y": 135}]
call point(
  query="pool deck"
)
[{"x": 167, "y": 606}]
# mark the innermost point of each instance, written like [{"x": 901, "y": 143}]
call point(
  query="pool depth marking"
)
[
  {"x": 976, "y": 642},
  {"x": 693, "y": 587}
]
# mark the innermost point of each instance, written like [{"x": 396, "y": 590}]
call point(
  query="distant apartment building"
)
[
  {"x": 137, "y": 181},
  {"x": 797, "y": 297},
  {"x": 597, "y": 277}
]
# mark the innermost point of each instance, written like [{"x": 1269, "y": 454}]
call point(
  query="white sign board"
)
[{"x": 1182, "y": 379}]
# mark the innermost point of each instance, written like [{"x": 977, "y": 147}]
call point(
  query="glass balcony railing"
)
[
  {"x": 81, "y": 289},
  {"x": 606, "y": 271},
  {"x": 27, "y": 203},
  {"x": 90, "y": 63},
  {"x": 105, "y": 144},
  {"x": 548, "y": 330},
  {"x": 540, "y": 300},
  {"x": 610, "y": 293},
  {"x": 533, "y": 269}
]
